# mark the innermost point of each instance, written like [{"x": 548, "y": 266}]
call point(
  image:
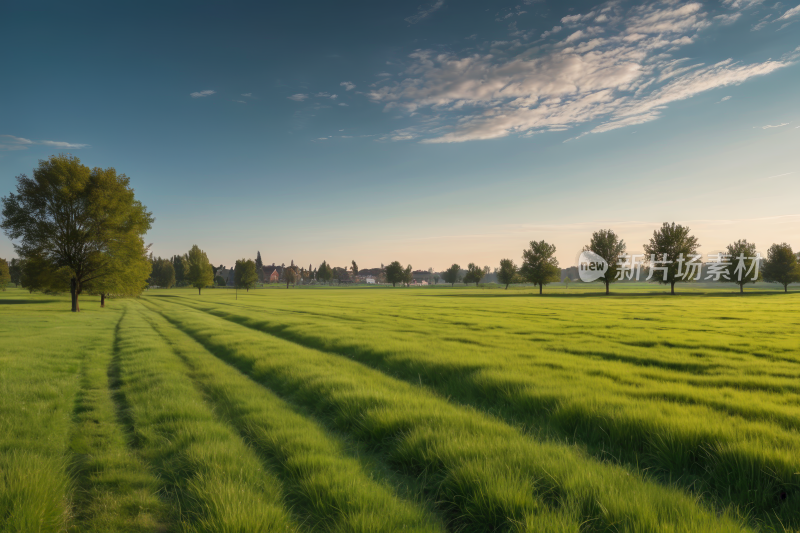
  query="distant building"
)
[
  {"x": 370, "y": 280},
  {"x": 272, "y": 273}
]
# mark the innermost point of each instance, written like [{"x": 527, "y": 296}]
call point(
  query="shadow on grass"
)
[{"x": 15, "y": 301}]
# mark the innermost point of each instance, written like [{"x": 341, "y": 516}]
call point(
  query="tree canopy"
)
[
  {"x": 80, "y": 224},
  {"x": 474, "y": 274},
  {"x": 163, "y": 274},
  {"x": 395, "y": 273},
  {"x": 290, "y": 275},
  {"x": 15, "y": 270},
  {"x": 354, "y": 269},
  {"x": 245, "y": 275},
  {"x": 451, "y": 274},
  {"x": 5, "y": 274},
  {"x": 668, "y": 250},
  {"x": 196, "y": 269},
  {"x": 539, "y": 264},
  {"x": 507, "y": 272},
  {"x": 743, "y": 268},
  {"x": 610, "y": 247},
  {"x": 781, "y": 266},
  {"x": 325, "y": 272}
]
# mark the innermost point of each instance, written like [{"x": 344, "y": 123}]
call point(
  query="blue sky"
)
[{"x": 428, "y": 133}]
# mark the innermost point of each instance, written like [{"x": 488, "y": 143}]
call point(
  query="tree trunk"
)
[
  {"x": 287, "y": 284},
  {"x": 73, "y": 290},
  {"x": 786, "y": 288},
  {"x": 741, "y": 289},
  {"x": 102, "y": 300},
  {"x": 607, "y": 283},
  {"x": 198, "y": 291},
  {"x": 507, "y": 286},
  {"x": 672, "y": 288},
  {"x": 541, "y": 286}
]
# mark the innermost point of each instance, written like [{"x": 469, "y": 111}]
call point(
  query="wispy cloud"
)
[
  {"x": 247, "y": 95},
  {"x": 791, "y": 13},
  {"x": 299, "y": 97},
  {"x": 202, "y": 94},
  {"x": 770, "y": 126},
  {"x": 726, "y": 19},
  {"x": 725, "y": 99},
  {"x": 348, "y": 85},
  {"x": 327, "y": 95},
  {"x": 621, "y": 71},
  {"x": 424, "y": 13},
  {"x": 10, "y": 142}
]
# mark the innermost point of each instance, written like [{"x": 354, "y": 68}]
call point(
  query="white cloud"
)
[
  {"x": 791, "y": 13},
  {"x": 247, "y": 95},
  {"x": 422, "y": 14},
  {"x": 769, "y": 126},
  {"x": 725, "y": 99},
  {"x": 299, "y": 97},
  {"x": 548, "y": 33},
  {"x": 327, "y": 95},
  {"x": 10, "y": 142},
  {"x": 343, "y": 104},
  {"x": 741, "y": 4},
  {"x": 625, "y": 76},
  {"x": 202, "y": 94},
  {"x": 348, "y": 85},
  {"x": 728, "y": 19}
]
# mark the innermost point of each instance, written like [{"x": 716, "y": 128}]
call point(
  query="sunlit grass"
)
[{"x": 466, "y": 409}]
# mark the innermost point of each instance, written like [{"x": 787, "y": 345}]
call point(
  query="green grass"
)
[{"x": 466, "y": 409}]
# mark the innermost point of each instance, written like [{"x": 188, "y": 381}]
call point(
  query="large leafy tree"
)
[
  {"x": 610, "y": 247},
  {"x": 126, "y": 280},
  {"x": 781, "y": 266},
  {"x": 245, "y": 275},
  {"x": 669, "y": 248},
  {"x": 325, "y": 272},
  {"x": 451, "y": 274},
  {"x": 5, "y": 274},
  {"x": 507, "y": 272},
  {"x": 197, "y": 269},
  {"x": 408, "y": 277},
  {"x": 395, "y": 273},
  {"x": 474, "y": 274},
  {"x": 742, "y": 271},
  {"x": 77, "y": 222},
  {"x": 539, "y": 264},
  {"x": 354, "y": 269}
]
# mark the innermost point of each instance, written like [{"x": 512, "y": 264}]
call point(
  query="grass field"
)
[{"x": 382, "y": 410}]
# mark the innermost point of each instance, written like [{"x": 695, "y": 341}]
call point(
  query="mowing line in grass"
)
[
  {"x": 114, "y": 490},
  {"x": 331, "y": 490},
  {"x": 685, "y": 444},
  {"x": 216, "y": 482},
  {"x": 483, "y": 473}
]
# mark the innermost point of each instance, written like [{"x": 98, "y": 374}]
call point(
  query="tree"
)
[
  {"x": 244, "y": 274},
  {"x": 259, "y": 267},
  {"x": 354, "y": 269},
  {"x": 474, "y": 274},
  {"x": 395, "y": 273},
  {"x": 197, "y": 269},
  {"x": 5, "y": 274},
  {"x": 451, "y": 274},
  {"x": 76, "y": 221},
  {"x": 408, "y": 277},
  {"x": 742, "y": 269},
  {"x": 325, "y": 272},
  {"x": 220, "y": 281},
  {"x": 290, "y": 274},
  {"x": 507, "y": 271},
  {"x": 128, "y": 276},
  {"x": 179, "y": 266},
  {"x": 539, "y": 265},
  {"x": 781, "y": 266},
  {"x": 15, "y": 270},
  {"x": 567, "y": 281},
  {"x": 670, "y": 247},
  {"x": 163, "y": 274},
  {"x": 610, "y": 247}
]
